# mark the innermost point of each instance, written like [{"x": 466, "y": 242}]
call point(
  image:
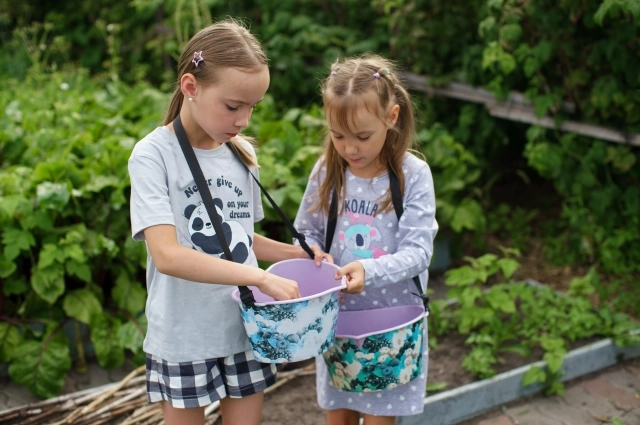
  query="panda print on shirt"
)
[{"x": 203, "y": 235}]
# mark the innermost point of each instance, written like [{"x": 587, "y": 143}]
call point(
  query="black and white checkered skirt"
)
[{"x": 199, "y": 383}]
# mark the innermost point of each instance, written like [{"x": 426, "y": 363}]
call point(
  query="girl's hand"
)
[
  {"x": 319, "y": 255},
  {"x": 279, "y": 288},
  {"x": 355, "y": 277}
]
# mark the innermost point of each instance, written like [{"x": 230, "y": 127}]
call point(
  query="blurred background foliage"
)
[{"x": 83, "y": 81}]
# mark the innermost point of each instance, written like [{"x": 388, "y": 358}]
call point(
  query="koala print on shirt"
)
[
  {"x": 203, "y": 234},
  {"x": 358, "y": 238}
]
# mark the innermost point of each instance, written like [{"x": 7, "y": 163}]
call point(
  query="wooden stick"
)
[
  {"x": 89, "y": 419},
  {"x": 141, "y": 417},
  {"x": 37, "y": 419},
  {"x": 114, "y": 389},
  {"x": 141, "y": 411},
  {"x": 211, "y": 408},
  {"x": 117, "y": 410},
  {"x": 289, "y": 377},
  {"x": 111, "y": 389},
  {"x": 122, "y": 400},
  {"x": 210, "y": 420},
  {"x": 71, "y": 418},
  {"x": 154, "y": 419}
]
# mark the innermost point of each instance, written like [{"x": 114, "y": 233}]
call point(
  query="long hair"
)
[
  {"x": 350, "y": 85},
  {"x": 225, "y": 44}
]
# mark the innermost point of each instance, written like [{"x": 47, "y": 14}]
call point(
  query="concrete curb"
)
[{"x": 456, "y": 405}]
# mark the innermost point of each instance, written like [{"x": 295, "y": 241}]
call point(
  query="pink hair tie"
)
[
  {"x": 333, "y": 73},
  {"x": 197, "y": 58},
  {"x": 377, "y": 75}
]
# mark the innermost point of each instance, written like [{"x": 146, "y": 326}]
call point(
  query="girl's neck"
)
[
  {"x": 197, "y": 137},
  {"x": 369, "y": 173}
]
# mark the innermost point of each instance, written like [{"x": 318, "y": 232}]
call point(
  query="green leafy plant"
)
[
  {"x": 66, "y": 253},
  {"x": 455, "y": 174},
  {"x": 498, "y": 317}
]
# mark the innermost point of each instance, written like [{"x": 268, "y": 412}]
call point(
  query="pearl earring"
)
[{"x": 190, "y": 99}]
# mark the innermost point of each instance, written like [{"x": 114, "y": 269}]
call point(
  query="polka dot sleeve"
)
[{"x": 414, "y": 233}]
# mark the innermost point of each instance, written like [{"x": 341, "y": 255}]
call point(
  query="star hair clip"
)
[{"x": 197, "y": 58}]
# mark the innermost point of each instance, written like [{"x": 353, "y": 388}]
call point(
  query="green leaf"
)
[
  {"x": 131, "y": 336},
  {"x": 129, "y": 295},
  {"x": 41, "y": 366},
  {"x": 291, "y": 115},
  {"x": 53, "y": 195},
  {"x": 16, "y": 240},
  {"x": 612, "y": 6},
  {"x": 530, "y": 66},
  {"x": 508, "y": 266},
  {"x": 10, "y": 203},
  {"x": 622, "y": 158},
  {"x": 9, "y": 340},
  {"x": 82, "y": 305},
  {"x": 550, "y": 343},
  {"x": 104, "y": 336},
  {"x": 495, "y": 4},
  {"x": 500, "y": 301},
  {"x": 6, "y": 267},
  {"x": 461, "y": 276},
  {"x": 50, "y": 255},
  {"x": 585, "y": 285},
  {"x": 469, "y": 296},
  {"x": 100, "y": 182},
  {"x": 493, "y": 54},
  {"x": 15, "y": 285},
  {"x": 554, "y": 360},
  {"x": 518, "y": 349},
  {"x": 545, "y": 157},
  {"x": 436, "y": 386},
  {"x": 533, "y": 375},
  {"x": 81, "y": 270},
  {"x": 486, "y": 26},
  {"x": 511, "y": 32},
  {"x": 75, "y": 252},
  {"x": 556, "y": 387},
  {"x": 468, "y": 215},
  {"x": 48, "y": 282}
]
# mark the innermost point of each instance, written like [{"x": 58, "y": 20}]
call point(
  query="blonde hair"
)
[
  {"x": 225, "y": 44},
  {"x": 351, "y": 84}
]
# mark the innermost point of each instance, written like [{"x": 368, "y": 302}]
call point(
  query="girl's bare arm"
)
[
  {"x": 269, "y": 250},
  {"x": 173, "y": 259}
]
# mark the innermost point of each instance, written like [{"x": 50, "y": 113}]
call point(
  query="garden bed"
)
[{"x": 294, "y": 401}]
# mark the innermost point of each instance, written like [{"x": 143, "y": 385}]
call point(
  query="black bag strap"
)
[
  {"x": 331, "y": 222},
  {"x": 299, "y": 236},
  {"x": 396, "y": 199},
  {"x": 245, "y": 293}
]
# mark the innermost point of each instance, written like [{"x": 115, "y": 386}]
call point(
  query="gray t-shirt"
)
[
  {"x": 391, "y": 252},
  {"x": 190, "y": 321}
]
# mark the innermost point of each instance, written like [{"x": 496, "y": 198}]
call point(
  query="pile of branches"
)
[{"x": 122, "y": 403}]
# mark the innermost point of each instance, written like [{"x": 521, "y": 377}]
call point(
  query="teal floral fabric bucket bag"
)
[{"x": 376, "y": 350}]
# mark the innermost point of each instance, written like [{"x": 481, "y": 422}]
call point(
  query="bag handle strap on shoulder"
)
[
  {"x": 246, "y": 295},
  {"x": 299, "y": 236},
  {"x": 396, "y": 198}
]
